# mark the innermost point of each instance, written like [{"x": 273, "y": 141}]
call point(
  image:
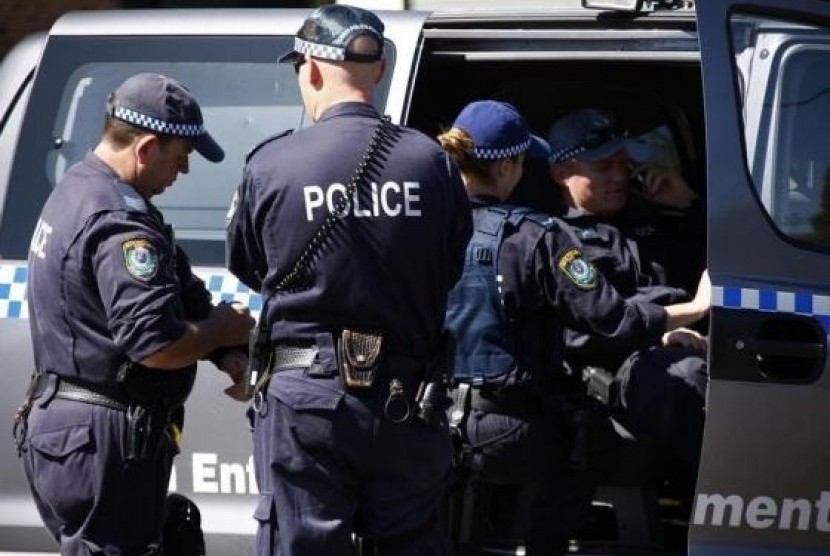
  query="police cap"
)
[
  {"x": 162, "y": 105},
  {"x": 329, "y": 30},
  {"x": 588, "y": 134},
  {"x": 498, "y": 131}
]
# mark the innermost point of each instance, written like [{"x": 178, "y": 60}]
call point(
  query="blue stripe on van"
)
[{"x": 222, "y": 285}]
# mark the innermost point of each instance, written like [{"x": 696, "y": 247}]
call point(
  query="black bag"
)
[{"x": 181, "y": 533}]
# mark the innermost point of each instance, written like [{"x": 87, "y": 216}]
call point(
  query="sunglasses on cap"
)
[
  {"x": 298, "y": 63},
  {"x": 598, "y": 137}
]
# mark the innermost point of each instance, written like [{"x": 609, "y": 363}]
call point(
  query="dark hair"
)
[{"x": 121, "y": 134}]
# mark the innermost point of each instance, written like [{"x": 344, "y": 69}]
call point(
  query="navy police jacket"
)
[
  {"x": 106, "y": 283},
  {"x": 392, "y": 256},
  {"x": 544, "y": 284},
  {"x": 644, "y": 255}
]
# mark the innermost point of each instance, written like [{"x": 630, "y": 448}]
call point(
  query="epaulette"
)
[
  {"x": 266, "y": 141},
  {"x": 545, "y": 220}
]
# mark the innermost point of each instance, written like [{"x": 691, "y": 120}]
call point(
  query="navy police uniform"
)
[
  {"x": 331, "y": 459},
  {"x": 106, "y": 286},
  {"x": 662, "y": 391},
  {"x": 647, "y": 253},
  {"x": 512, "y": 353}
]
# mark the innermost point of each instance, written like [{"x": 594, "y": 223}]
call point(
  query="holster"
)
[
  {"x": 432, "y": 398},
  {"x": 146, "y": 427},
  {"x": 359, "y": 355}
]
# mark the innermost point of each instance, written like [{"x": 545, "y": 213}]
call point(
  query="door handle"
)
[{"x": 786, "y": 348}]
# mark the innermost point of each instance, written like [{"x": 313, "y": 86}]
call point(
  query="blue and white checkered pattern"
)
[
  {"x": 802, "y": 303},
  {"x": 503, "y": 152},
  {"x": 566, "y": 153},
  {"x": 324, "y": 51},
  {"x": 223, "y": 286},
  {"x": 160, "y": 126},
  {"x": 13, "y": 292}
]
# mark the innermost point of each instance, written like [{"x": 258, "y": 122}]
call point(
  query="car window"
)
[
  {"x": 245, "y": 97},
  {"x": 786, "y": 93},
  {"x": 253, "y": 101}
]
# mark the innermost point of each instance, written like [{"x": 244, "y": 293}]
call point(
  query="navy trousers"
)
[
  {"x": 663, "y": 394},
  {"x": 90, "y": 499},
  {"x": 330, "y": 463},
  {"x": 534, "y": 451}
]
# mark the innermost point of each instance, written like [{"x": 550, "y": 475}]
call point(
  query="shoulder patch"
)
[
  {"x": 578, "y": 270},
  {"x": 258, "y": 146},
  {"x": 141, "y": 258}
]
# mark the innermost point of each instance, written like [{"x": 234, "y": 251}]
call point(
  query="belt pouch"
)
[{"x": 359, "y": 357}]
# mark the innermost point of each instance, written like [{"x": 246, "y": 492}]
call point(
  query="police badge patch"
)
[
  {"x": 140, "y": 258},
  {"x": 578, "y": 270}
]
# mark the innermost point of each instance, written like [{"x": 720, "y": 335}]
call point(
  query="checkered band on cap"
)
[
  {"x": 159, "y": 126},
  {"x": 323, "y": 51},
  {"x": 566, "y": 153},
  {"x": 503, "y": 152}
]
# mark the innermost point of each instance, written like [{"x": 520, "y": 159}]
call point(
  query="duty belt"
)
[
  {"x": 68, "y": 390},
  {"x": 293, "y": 357},
  {"x": 512, "y": 401}
]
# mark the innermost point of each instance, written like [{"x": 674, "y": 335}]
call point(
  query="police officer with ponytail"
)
[{"x": 525, "y": 279}]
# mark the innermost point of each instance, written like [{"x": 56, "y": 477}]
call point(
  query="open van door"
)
[{"x": 764, "y": 483}]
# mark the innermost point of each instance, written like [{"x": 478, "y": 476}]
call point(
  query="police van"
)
[{"x": 737, "y": 91}]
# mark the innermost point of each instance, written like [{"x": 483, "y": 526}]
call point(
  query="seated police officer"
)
[
  {"x": 118, "y": 322},
  {"x": 647, "y": 242},
  {"x": 525, "y": 279},
  {"x": 353, "y": 230}
]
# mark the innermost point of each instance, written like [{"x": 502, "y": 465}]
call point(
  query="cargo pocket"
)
[
  {"x": 305, "y": 422},
  {"x": 265, "y": 515},
  {"x": 63, "y": 466}
]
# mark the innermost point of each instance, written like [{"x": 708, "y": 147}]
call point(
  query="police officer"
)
[
  {"x": 642, "y": 243},
  {"x": 118, "y": 322},
  {"x": 353, "y": 230},
  {"x": 525, "y": 279}
]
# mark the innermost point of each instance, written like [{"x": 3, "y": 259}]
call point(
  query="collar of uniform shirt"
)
[
  {"x": 349, "y": 109},
  {"x": 480, "y": 200}
]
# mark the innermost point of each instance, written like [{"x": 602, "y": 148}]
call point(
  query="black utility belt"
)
[
  {"x": 67, "y": 389},
  {"x": 358, "y": 359},
  {"x": 511, "y": 401}
]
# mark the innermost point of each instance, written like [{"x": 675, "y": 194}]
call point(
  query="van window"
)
[
  {"x": 785, "y": 88},
  {"x": 244, "y": 94}
]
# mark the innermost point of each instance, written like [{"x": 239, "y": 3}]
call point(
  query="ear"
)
[
  {"x": 501, "y": 167},
  {"x": 382, "y": 71},
  {"x": 144, "y": 146},
  {"x": 315, "y": 76},
  {"x": 559, "y": 173}
]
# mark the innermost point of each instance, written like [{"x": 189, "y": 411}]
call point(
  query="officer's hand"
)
[
  {"x": 703, "y": 296},
  {"x": 236, "y": 321},
  {"x": 234, "y": 363},
  {"x": 685, "y": 338},
  {"x": 663, "y": 186}
]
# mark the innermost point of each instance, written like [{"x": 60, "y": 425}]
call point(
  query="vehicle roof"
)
[
  {"x": 211, "y": 21},
  {"x": 269, "y": 22}
]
